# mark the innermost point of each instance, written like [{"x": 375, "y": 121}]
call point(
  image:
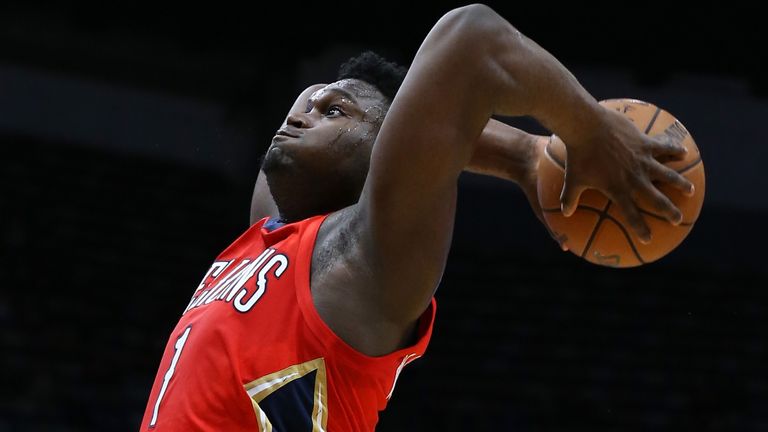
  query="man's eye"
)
[{"x": 334, "y": 111}]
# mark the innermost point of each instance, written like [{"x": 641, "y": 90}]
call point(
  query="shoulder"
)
[
  {"x": 347, "y": 291},
  {"x": 336, "y": 241}
]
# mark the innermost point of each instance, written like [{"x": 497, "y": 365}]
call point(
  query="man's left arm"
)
[
  {"x": 506, "y": 152},
  {"x": 511, "y": 154}
]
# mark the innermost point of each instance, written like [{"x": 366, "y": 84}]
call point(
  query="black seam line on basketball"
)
[
  {"x": 653, "y": 120},
  {"x": 607, "y": 206},
  {"x": 662, "y": 218},
  {"x": 579, "y": 207},
  {"x": 626, "y": 234},
  {"x": 689, "y": 167},
  {"x": 598, "y": 211},
  {"x": 603, "y": 215},
  {"x": 559, "y": 163}
]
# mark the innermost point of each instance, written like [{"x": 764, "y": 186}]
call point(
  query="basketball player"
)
[{"x": 305, "y": 322}]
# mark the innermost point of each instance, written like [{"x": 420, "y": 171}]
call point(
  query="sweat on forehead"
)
[{"x": 357, "y": 88}]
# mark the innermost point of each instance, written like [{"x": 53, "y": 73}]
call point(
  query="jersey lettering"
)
[
  {"x": 177, "y": 347},
  {"x": 217, "y": 286},
  {"x": 261, "y": 283}
]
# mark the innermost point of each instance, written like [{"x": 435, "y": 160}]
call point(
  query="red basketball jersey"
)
[{"x": 251, "y": 353}]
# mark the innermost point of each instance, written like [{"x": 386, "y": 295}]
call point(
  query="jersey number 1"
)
[{"x": 169, "y": 373}]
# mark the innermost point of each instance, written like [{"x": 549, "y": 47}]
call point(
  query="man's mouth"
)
[{"x": 288, "y": 133}]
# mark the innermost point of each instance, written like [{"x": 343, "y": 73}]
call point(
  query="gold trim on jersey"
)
[{"x": 266, "y": 385}]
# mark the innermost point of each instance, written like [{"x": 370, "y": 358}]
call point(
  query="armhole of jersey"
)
[{"x": 321, "y": 329}]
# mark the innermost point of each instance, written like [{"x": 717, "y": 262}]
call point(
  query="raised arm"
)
[
  {"x": 511, "y": 154},
  {"x": 471, "y": 65}
]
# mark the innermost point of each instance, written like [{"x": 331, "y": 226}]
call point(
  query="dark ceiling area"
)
[{"x": 215, "y": 50}]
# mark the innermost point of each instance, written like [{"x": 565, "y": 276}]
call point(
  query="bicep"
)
[
  {"x": 441, "y": 108},
  {"x": 408, "y": 201}
]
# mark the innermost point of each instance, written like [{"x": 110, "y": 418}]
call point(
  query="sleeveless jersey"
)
[{"x": 251, "y": 352}]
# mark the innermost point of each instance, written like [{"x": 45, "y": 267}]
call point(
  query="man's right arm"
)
[{"x": 474, "y": 64}]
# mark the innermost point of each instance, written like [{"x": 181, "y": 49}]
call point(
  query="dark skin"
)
[{"x": 381, "y": 252}]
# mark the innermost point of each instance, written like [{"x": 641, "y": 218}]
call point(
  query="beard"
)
[
  {"x": 307, "y": 190},
  {"x": 274, "y": 159},
  {"x": 294, "y": 188}
]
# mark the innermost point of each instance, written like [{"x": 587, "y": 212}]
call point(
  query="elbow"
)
[
  {"x": 478, "y": 30},
  {"x": 474, "y": 11},
  {"x": 487, "y": 49},
  {"x": 478, "y": 20}
]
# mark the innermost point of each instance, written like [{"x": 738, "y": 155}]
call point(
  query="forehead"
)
[{"x": 356, "y": 90}]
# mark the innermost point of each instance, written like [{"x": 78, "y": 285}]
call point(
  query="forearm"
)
[
  {"x": 503, "y": 151},
  {"x": 606, "y": 151},
  {"x": 533, "y": 82}
]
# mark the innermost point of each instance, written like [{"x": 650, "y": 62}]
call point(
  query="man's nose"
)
[{"x": 298, "y": 120}]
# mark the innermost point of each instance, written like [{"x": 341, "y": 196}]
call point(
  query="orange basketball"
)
[{"x": 597, "y": 231}]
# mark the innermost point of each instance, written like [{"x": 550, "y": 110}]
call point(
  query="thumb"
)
[{"x": 569, "y": 198}]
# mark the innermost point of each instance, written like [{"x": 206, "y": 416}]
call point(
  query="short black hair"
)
[{"x": 377, "y": 71}]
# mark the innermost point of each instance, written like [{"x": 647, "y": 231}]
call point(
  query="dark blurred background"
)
[{"x": 129, "y": 141}]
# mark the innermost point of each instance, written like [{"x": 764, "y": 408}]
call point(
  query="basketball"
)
[{"x": 597, "y": 231}]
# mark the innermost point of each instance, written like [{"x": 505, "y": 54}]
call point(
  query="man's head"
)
[{"x": 318, "y": 160}]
